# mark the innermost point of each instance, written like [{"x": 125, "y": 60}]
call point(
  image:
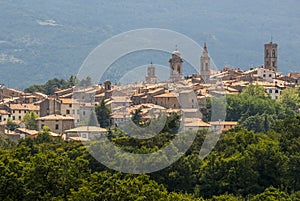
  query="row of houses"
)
[
  {"x": 68, "y": 108},
  {"x": 82, "y": 133}
]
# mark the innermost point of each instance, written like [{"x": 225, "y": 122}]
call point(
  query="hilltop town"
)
[{"x": 66, "y": 112}]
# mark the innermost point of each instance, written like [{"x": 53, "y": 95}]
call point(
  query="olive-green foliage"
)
[
  {"x": 290, "y": 99},
  {"x": 11, "y": 125},
  {"x": 226, "y": 197},
  {"x": 103, "y": 114},
  {"x": 51, "y": 85},
  {"x": 252, "y": 101},
  {"x": 272, "y": 194},
  {"x": 172, "y": 123},
  {"x": 243, "y": 163},
  {"x": 243, "y": 166},
  {"x": 30, "y": 120},
  {"x": 137, "y": 116},
  {"x": 256, "y": 111}
]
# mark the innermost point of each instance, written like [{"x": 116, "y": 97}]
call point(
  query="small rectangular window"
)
[{"x": 56, "y": 126}]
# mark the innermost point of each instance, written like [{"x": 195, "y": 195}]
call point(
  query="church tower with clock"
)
[{"x": 176, "y": 66}]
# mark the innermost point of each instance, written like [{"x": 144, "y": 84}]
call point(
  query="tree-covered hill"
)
[{"x": 243, "y": 165}]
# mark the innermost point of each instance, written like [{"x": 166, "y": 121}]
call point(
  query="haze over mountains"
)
[{"x": 40, "y": 40}]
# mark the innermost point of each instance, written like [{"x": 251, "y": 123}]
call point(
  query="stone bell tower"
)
[
  {"x": 205, "y": 64},
  {"x": 271, "y": 54},
  {"x": 176, "y": 66},
  {"x": 151, "y": 78}
]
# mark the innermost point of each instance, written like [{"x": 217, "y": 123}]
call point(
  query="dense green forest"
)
[{"x": 244, "y": 164}]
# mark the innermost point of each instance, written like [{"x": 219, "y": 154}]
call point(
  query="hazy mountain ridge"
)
[{"x": 52, "y": 39}]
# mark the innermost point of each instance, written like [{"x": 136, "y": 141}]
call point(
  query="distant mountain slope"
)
[{"x": 40, "y": 40}]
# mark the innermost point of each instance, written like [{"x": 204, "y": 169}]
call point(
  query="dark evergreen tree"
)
[{"x": 103, "y": 114}]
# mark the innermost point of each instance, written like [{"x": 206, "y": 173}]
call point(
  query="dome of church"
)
[{"x": 176, "y": 52}]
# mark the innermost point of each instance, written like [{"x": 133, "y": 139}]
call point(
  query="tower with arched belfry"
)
[
  {"x": 205, "y": 64},
  {"x": 151, "y": 78},
  {"x": 271, "y": 54},
  {"x": 176, "y": 66}
]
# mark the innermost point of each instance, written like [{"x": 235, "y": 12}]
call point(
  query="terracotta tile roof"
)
[
  {"x": 156, "y": 90},
  {"x": 86, "y": 129},
  {"x": 67, "y": 100},
  {"x": 40, "y": 94},
  {"x": 223, "y": 123},
  {"x": 55, "y": 117},
  {"x": 121, "y": 99},
  {"x": 4, "y": 112},
  {"x": 195, "y": 122},
  {"x": 167, "y": 95},
  {"x": 26, "y": 131},
  {"x": 295, "y": 75},
  {"x": 63, "y": 90},
  {"x": 28, "y": 107}
]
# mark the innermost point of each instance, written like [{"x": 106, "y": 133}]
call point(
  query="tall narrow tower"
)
[
  {"x": 151, "y": 78},
  {"x": 205, "y": 64},
  {"x": 271, "y": 56},
  {"x": 176, "y": 66}
]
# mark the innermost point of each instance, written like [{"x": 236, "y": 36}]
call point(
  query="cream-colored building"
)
[
  {"x": 18, "y": 111},
  {"x": 85, "y": 133},
  {"x": 195, "y": 124},
  {"x": 4, "y": 115},
  {"x": 167, "y": 100},
  {"x": 222, "y": 125},
  {"x": 56, "y": 123},
  {"x": 274, "y": 91}
]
